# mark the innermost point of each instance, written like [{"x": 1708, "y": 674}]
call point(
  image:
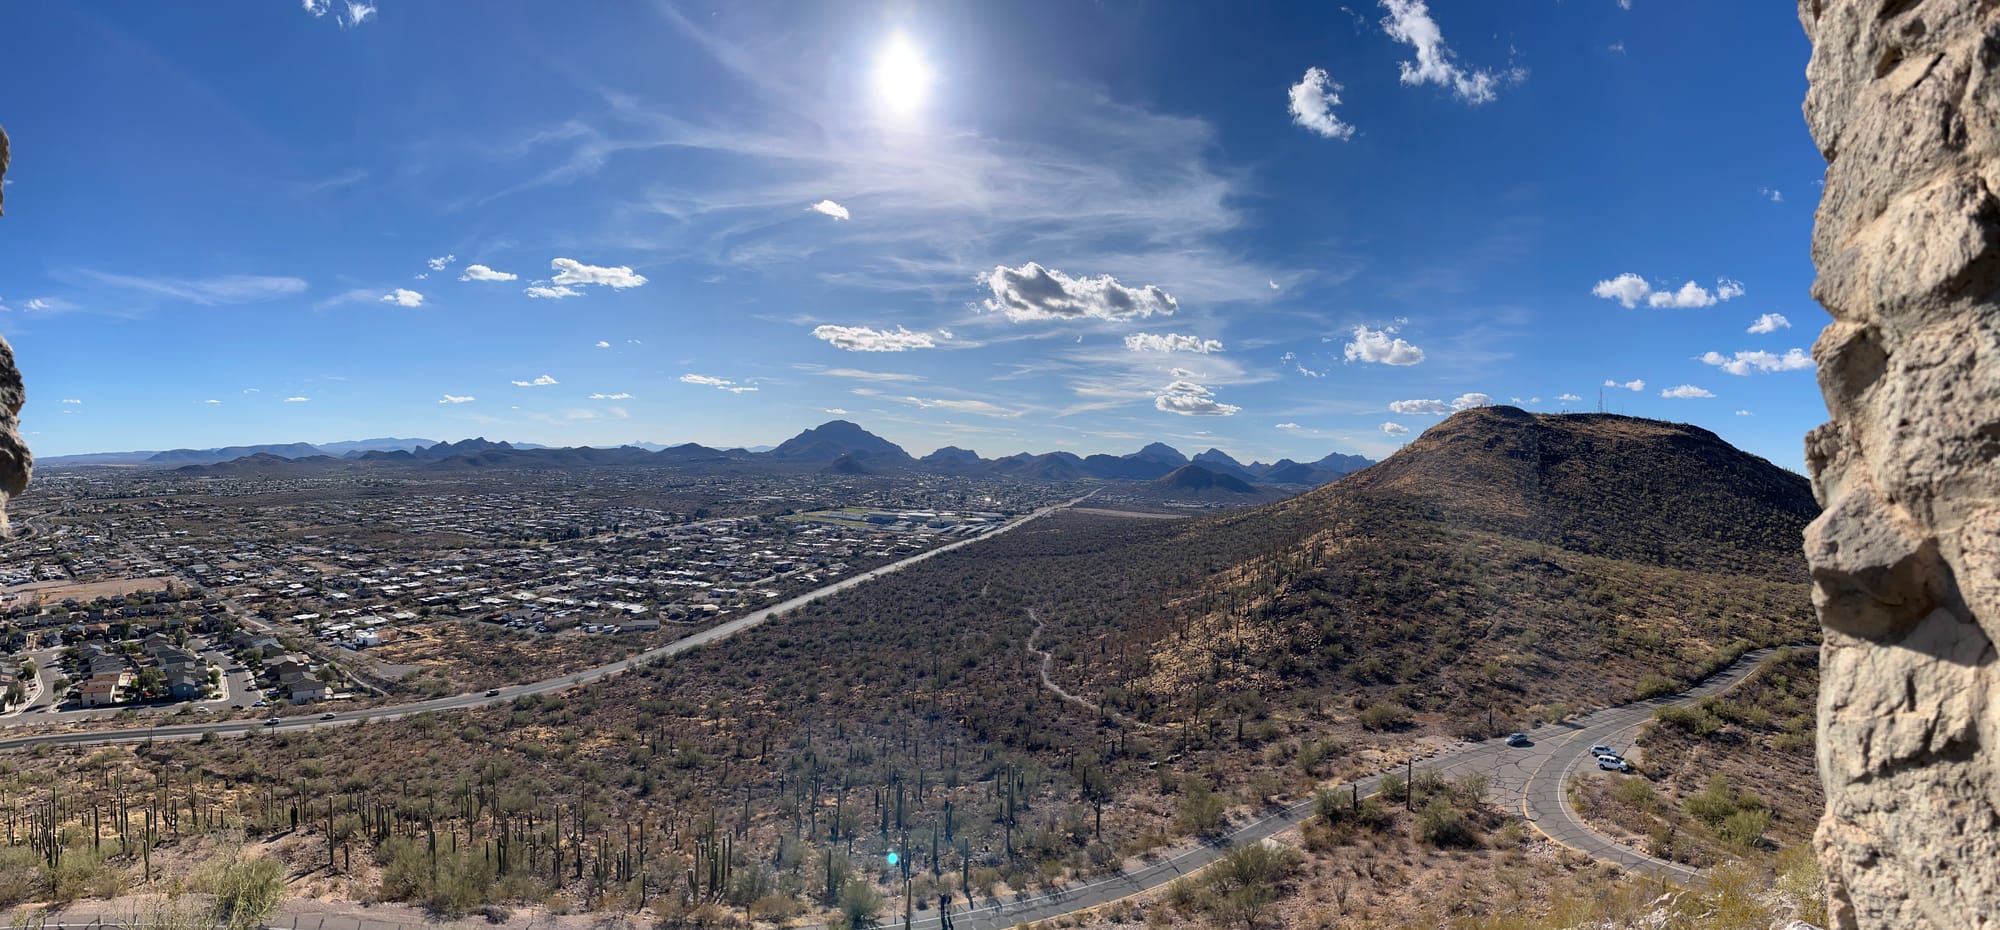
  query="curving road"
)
[{"x": 715, "y": 633}]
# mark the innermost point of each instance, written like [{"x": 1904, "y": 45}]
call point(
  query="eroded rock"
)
[
  {"x": 1905, "y": 105},
  {"x": 15, "y": 462}
]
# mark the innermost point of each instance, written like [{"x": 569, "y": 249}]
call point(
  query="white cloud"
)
[
  {"x": 1171, "y": 342},
  {"x": 1288, "y": 426},
  {"x": 1744, "y": 363},
  {"x": 1745, "y": 413},
  {"x": 1409, "y": 22},
  {"x": 297, "y": 400},
  {"x": 1568, "y": 398},
  {"x": 1686, "y": 392},
  {"x": 483, "y": 273},
  {"x": 226, "y": 289},
  {"x": 37, "y": 303},
  {"x": 1313, "y": 99},
  {"x": 317, "y": 7},
  {"x": 456, "y": 399},
  {"x": 1273, "y": 283},
  {"x": 864, "y": 339},
  {"x": 403, "y": 297},
  {"x": 442, "y": 262},
  {"x": 552, "y": 293},
  {"x": 1769, "y": 323},
  {"x": 1191, "y": 400},
  {"x": 1633, "y": 385},
  {"x": 1629, "y": 289},
  {"x": 1032, "y": 292},
  {"x": 1440, "y": 407},
  {"x": 357, "y": 13},
  {"x": 621, "y": 395},
  {"x": 211, "y": 401},
  {"x": 603, "y": 345},
  {"x": 1377, "y": 346},
  {"x": 571, "y": 271},
  {"x": 1616, "y": 47},
  {"x": 542, "y": 381},
  {"x": 1771, "y": 195},
  {"x": 742, "y": 390},
  {"x": 836, "y": 411},
  {"x": 71, "y": 400},
  {"x": 707, "y": 381},
  {"x": 829, "y": 208},
  {"x": 1395, "y": 429}
]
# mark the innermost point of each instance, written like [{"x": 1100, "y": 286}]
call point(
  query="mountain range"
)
[{"x": 836, "y": 447}]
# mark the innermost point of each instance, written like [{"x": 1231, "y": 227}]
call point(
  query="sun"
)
[{"x": 902, "y": 76}]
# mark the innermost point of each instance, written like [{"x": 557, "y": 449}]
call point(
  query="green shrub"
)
[
  {"x": 1713, "y": 804},
  {"x": 1745, "y": 829},
  {"x": 1652, "y": 686},
  {"x": 1441, "y": 824},
  {"x": 1386, "y": 715}
]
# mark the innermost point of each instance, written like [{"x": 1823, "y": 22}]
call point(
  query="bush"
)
[
  {"x": 1200, "y": 808},
  {"x": 1386, "y": 715},
  {"x": 1745, "y": 829},
  {"x": 1636, "y": 794},
  {"x": 1652, "y": 686},
  {"x": 1713, "y": 804},
  {"x": 246, "y": 889},
  {"x": 1441, "y": 824}
]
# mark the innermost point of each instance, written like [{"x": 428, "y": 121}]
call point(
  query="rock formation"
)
[
  {"x": 15, "y": 463},
  {"x": 1905, "y": 106}
]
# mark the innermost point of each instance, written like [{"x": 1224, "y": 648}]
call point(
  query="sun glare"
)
[{"x": 902, "y": 76}]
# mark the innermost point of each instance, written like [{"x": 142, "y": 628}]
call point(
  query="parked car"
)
[
  {"x": 1613, "y": 764},
  {"x": 1517, "y": 739},
  {"x": 1602, "y": 750}
]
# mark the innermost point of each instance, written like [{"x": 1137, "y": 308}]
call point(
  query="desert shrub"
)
[
  {"x": 246, "y": 889},
  {"x": 1637, "y": 794},
  {"x": 1712, "y": 804},
  {"x": 23, "y": 877},
  {"x": 1745, "y": 829},
  {"x": 1442, "y": 824},
  {"x": 1652, "y": 686},
  {"x": 1386, "y": 715},
  {"x": 1200, "y": 809}
]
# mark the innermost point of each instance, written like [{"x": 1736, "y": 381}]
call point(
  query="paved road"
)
[
  {"x": 1528, "y": 779},
  {"x": 195, "y": 730}
]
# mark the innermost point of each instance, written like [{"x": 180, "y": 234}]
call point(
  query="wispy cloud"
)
[
  {"x": 621, "y": 395},
  {"x": 456, "y": 399},
  {"x": 1395, "y": 429},
  {"x": 551, "y": 293},
  {"x": 569, "y": 271},
  {"x": 297, "y": 400},
  {"x": 224, "y": 289},
  {"x": 538, "y": 381},
  {"x": 1635, "y": 384},
  {"x": 442, "y": 262}
]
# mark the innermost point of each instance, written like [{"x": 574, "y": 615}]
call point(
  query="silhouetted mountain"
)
[
  {"x": 350, "y": 447},
  {"x": 830, "y": 441},
  {"x": 1339, "y": 464},
  {"x": 1049, "y": 466},
  {"x": 264, "y": 464},
  {"x": 1222, "y": 463},
  {"x": 1193, "y": 477},
  {"x": 846, "y": 465},
  {"x": 1286, "y": 471},
  {"x": 289, "y": 450}
]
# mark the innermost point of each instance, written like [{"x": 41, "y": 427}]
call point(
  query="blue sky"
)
[{"x": 1278, "y": 230}]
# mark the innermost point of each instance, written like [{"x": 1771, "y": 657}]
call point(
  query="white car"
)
[{"x": 1611, "y": 763}]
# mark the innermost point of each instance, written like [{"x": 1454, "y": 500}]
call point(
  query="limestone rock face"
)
[
  {"x": 15, "y": 462},
  {"x": 1905, "y": 106}
]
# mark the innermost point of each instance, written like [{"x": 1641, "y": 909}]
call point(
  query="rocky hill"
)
[{"x": 1505, "y": 559}]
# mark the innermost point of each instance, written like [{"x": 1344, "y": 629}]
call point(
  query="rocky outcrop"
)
[
  {"x": 1905, "y": 106},
  {"x": 15, "y": 462}
]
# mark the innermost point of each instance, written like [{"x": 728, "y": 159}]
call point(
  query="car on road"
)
[
  {"x": 272, "y": 722},
  {"x": 493, "y": 692},
  {"x": 1613, "y": 764},
  {"x": 326, "y": 716},
  {"x": 1517, "y": 739}
]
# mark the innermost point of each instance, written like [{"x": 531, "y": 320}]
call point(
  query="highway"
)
[{"x": 721, "y": 631}]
